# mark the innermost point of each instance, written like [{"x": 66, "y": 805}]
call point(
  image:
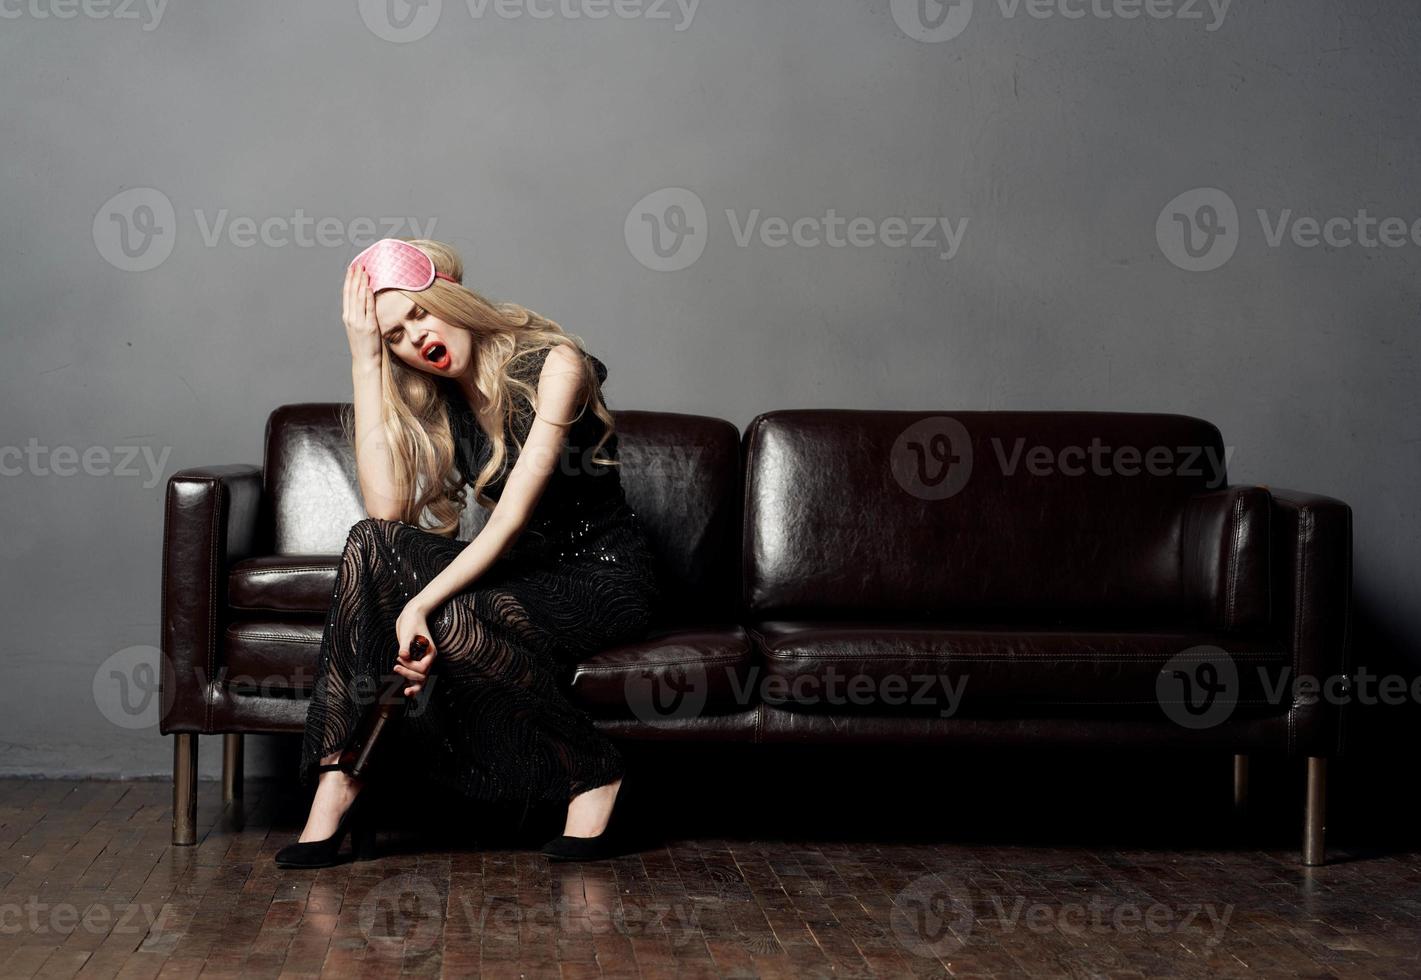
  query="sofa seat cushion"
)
[
  {"x": 272, "y": 657},
  {"x": 283, "y": 583},
  {"x": 933, "y": 668},
  {"x": 676, "y": 672},
  {"x": 673, "y": 674}
]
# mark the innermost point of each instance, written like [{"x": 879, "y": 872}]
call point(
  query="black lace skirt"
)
[{"x": 493, "y": 721}]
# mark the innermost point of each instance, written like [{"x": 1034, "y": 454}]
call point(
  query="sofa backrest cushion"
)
[
  {"x": 680, "y": 473},
  {"x": 309, "y": 480},
  {"x": 1053, "y": 518}
]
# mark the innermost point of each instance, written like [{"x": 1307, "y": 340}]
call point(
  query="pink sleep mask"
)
[{"x": 393, "y": 264}]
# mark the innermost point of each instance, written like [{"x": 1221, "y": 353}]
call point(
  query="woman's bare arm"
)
[
  {"x": 373, "y": 462},
  {"x": 560, "y": 385}
]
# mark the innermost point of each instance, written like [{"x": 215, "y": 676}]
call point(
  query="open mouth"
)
[{"x": 436, "y": 354}]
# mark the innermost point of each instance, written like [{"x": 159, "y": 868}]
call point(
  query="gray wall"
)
[{"x": 529, "y": 142}]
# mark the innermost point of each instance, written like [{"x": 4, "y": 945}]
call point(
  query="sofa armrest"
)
[
  {"x": 1312, "y": 604},
  {"x": 1227, "y": 558},
  {"x": 211, "y": 519}
]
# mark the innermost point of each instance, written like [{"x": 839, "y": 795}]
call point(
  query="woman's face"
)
[{"x": 419, "y": 338}]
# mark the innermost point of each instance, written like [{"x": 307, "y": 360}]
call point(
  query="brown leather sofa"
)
[{"x": 839, "y": 576}]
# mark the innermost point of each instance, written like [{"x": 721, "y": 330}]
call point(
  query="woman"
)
[{"x": 453, "y": 390}]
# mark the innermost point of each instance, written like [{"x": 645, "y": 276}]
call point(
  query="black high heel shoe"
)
[
  {"x": 356, "y": 821},
  {"x": 614, "y": 841}
]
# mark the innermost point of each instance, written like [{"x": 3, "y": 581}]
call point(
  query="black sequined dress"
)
[{"x": 493, "y": 722}]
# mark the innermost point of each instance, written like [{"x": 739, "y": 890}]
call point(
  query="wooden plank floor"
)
[{"x": 90, "y": 887}]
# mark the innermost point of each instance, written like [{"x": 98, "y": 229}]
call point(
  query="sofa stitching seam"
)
[
  {"x": 1200, "y": 658},
  {"x": 1231, "y": 587},
  {"x": 295, "y": 637},
  {"x": 163, "y": 611},
  {"x": 281, "y": 571},
  {"x": 660, "y": 663},
  {"x": 1305, "y": 531},
  {"x": 212, "y": 599}
]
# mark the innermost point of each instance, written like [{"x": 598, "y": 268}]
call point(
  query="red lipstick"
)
[{"x": 436, "y": 354}]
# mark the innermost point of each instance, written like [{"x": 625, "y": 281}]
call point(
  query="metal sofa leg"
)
[
  {"x": 1240, "y": 783},
  {"x": 185, "y": 788},
  {"x": 231, "y": 768},
  {"x": 1315, "y": 816}
]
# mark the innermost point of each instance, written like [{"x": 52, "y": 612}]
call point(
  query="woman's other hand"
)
[{"x": 410, "y": 624}]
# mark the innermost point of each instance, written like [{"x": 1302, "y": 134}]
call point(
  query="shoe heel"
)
[
  {"x": 363, "y": 844},
  {"x": 363, "y": 831}
]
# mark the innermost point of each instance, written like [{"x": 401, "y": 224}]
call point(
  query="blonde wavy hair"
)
[{"x": 417, "y": 429}]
